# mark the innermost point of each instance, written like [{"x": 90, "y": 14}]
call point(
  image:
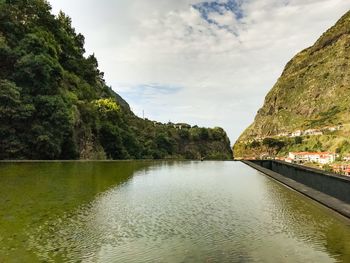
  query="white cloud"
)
[{"x": 223, "y": 77}]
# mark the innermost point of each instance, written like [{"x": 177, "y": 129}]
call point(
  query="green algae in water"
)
[{"x": 160, "y": 212}]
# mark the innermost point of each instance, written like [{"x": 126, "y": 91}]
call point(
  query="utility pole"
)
[{"x": 143, "y": 114}]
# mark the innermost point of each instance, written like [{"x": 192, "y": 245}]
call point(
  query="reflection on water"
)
[
  {"x": 305, "y": 222},
  {"x": 34, "y": 194},
  {"x": 161, "y": 212}
]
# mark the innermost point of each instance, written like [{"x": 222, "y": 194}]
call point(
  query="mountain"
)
[
  {"x": 308, "y": 108},
  {"x": 55, "y": 104}
]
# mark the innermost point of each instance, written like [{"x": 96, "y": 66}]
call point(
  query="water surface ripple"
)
[{"x": 160, "y": 212}]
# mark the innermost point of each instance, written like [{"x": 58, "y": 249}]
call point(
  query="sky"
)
[{"x": 206, "y": 63}]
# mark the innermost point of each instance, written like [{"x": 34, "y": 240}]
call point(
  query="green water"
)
[{"x": 160, "y": 212}]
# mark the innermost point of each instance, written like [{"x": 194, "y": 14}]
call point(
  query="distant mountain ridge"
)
[{"x": 313, "y": 92}]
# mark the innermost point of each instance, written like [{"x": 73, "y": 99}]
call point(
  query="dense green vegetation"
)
[
  {"x": 313, "y": 92},
  {"x": 55, "y": 104}
]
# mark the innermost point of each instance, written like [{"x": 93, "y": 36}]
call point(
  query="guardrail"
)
[{"x": 327, "y": 188}]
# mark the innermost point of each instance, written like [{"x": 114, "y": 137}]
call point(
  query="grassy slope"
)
[{"x": 313, "y": 92}]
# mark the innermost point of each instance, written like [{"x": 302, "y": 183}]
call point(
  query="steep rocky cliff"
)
[{"x": 313, "y": 92}]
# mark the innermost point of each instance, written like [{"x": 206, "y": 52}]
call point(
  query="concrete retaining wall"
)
[{"x": 329, "y": 189}]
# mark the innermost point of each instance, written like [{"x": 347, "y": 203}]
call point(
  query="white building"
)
[
  {"x": 313, "y": 132},
  {"x": 336, "y": 128},
  {"x": 297, "y": 133},
  {"x": 346, "y": 158},
  {"x": 317, "y": 157},
  {"x": 283, "y": 134}
]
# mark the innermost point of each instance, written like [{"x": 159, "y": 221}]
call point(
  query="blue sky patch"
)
[{"x": 208, "y": 7}]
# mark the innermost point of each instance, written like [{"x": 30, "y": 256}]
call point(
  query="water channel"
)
[{"x": 160, "y": 212}]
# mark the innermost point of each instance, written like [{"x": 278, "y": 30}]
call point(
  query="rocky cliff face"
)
[{"x": 313, "y": 91}]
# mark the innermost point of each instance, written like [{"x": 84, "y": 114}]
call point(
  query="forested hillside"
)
[{"x": 55, "y": 104}]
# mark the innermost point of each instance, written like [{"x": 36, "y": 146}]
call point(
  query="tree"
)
[
  {"x": 165, "y": 143},
  {"x": 112, "y": 142},
  {"x": 218, "y": 133},
  {"x": 273, "y": 145},
  {"x": 51, "y": 128},
  {"x": 14, "y": 114},
  {"x": 184, "y": 134},
  {"x": 254, "y": 144},
  {"x": 38, "y": 43},
  {"x": 203, "y": 134},
  {"x": 39, "y": 74},
  {"x": 298, "y": 140},
  {"x": 108, "y": 108},
  {"x": 7, "y": 59}
]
